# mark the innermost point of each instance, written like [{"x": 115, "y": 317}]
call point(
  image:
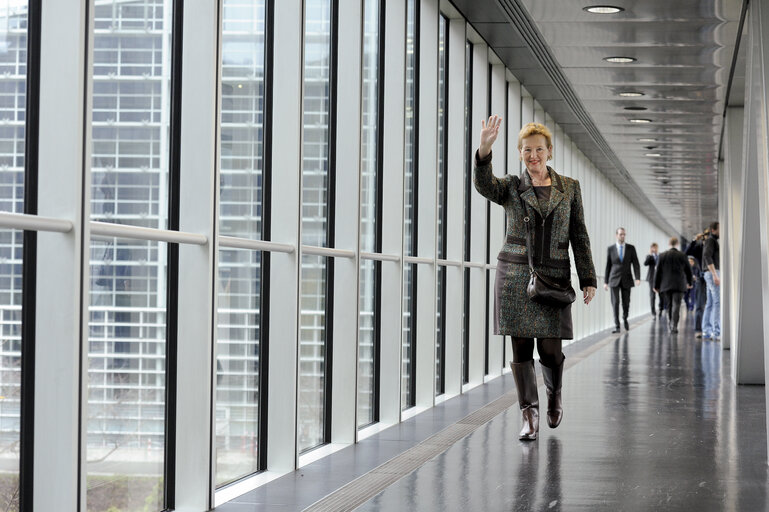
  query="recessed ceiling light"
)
[
  {"x": 653, "y": 154},
  {"x": 631, "y": 94},
  {"x": 647, "y": 139},
  {"x": 619, "y": 59},
  {"x": 640, "y": 120},
  {"x": 636, "y": 109},
  {"x": 603, "y": 9}
]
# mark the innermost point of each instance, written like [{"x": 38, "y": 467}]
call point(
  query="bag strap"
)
[{"x": 526, "y": 220}]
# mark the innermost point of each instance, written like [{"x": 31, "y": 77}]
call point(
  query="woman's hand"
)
[
  {"x": 489, "y": 134},
  {"x": 588, "y": 292}
]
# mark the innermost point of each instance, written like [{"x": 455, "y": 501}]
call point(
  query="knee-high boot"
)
[
  {"x": 553, "y": 378},
  {"x": 526, "y": 383}
]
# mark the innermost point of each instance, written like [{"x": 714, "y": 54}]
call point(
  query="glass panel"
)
[
  {"x": 11, "y": 247},
  {"x": 13, "y": 65},
  {"x": 242, "y": 122},
  {"x": 366, "y": 348},
  {"x": 466, "y": 328},
  {"x": 240, "y": 215},
  {"x": 316, "y": 128},
  {"x": 367, "y": 353},
  {"x": 126, "y": 388},
  {"x": 410, "y": 215},
  {"x": 237, "y": 364},
  {"x": 443, "y": 64},
  {"x": 125, "y": 438},
  {"x": 467, "y": 225},
  {"x": 312, "y": 353},
  {"x": 440, "y": 333},
  {"x": 408, "y": 356},
  {"x": 468, "y": 143},
  {"x": 131, "y": 112}
]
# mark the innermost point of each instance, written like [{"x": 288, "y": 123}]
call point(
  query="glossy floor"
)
[{"x": 652, "y": 422}]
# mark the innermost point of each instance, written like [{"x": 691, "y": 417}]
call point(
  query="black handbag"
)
[{"x": 541, "y": 289}]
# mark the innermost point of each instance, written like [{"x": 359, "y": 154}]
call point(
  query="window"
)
[
  {"x": 13, "y": 110},
  {"x": 443, "y": 94},
  {"x": 129, "y": 279},
  {"x": 468, "y": 190},
  {"x": 408, "y": 357},
  {"x": 316, "y": 271},
  {"x": 371, "y": 208},
  {"x": 242, "y": 212}
]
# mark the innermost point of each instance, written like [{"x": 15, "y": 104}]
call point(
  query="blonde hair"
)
[{"x": 535, "y": 129}]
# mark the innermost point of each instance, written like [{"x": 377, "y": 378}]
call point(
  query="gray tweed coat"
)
[{"x": 555, "y": 225}]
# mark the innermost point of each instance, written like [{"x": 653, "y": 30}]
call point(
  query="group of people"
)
[
  {"x": 693, "y": 275},
  {"x": 532, "y": 291}
]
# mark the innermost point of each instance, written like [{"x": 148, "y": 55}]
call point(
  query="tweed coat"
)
[{"x": 555, "y": 225}]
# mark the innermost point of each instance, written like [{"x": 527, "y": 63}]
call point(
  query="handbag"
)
[{"x": 541, "y": 289}]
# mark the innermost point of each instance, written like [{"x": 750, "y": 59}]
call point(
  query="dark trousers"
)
[
  {"x": 653, "y": 297},
  {"x": 689, "y": 299},
  {"x": 673, "y": 300},
  {"x": 701, "y": 297},
  {"x": 616, "y": 292}
]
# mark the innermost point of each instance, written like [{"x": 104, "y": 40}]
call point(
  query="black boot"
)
[
  {"x": 553, "y": 378},
  {"x": 526, "y": 383}
]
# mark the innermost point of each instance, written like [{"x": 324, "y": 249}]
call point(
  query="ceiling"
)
[{"x": 684, "y": 51}]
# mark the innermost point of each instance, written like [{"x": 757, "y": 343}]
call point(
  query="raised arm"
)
[
  {"x": 649, "y": 260},
  {"x": 489, "y": 186}
]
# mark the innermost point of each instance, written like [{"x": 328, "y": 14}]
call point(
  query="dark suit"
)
[
  {"x": 651, "y": 262},
  {"x": 672, "y": 279},
  {"x": 619, "y": 277}
]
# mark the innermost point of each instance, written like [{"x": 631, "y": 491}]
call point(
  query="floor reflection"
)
[{"x": 652, "y": 421}]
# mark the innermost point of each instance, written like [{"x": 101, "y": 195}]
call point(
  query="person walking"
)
[
  {"x": 620, "y": 259},
  {"x": 552, "y": 204},
  {"x": 651, "y": 262},
  {"x": 700, "y": 296},
  {"x": 673, "y": 278},
  {"x": 695, "y": 248},
  {"x": 711, "y": 321}
]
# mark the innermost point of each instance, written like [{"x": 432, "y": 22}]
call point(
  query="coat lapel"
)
[
  {"x": 527, "y": 192},
  {"x": 556, "y": 193}
]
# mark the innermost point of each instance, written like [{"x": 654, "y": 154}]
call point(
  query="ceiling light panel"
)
[{"x": 603, "y": 9}]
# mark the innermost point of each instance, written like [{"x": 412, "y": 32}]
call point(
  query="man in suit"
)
[
  {"x": 619, "y": 259},
  {"x": 651, "y": 262},
  {"x": 674, "y": 277}
]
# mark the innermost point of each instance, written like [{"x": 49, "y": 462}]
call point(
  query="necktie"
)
[{"x": 621, "y": 251}]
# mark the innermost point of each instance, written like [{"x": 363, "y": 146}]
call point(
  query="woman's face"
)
[{"x": 535, "y": 153}]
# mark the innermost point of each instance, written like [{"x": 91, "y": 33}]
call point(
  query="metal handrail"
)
[
  {"x": 327, "y": 251},
  {"x": 416, "y": 259},
  {"x": 448, "y": 263},
  {"x": 379, "y": 256},
  {"x": 106, "y": 229},
  {"x": 256, "y": 245},
  {"x": 34, "y": 222}
]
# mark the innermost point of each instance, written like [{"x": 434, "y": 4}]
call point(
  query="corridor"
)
[{"x": 650, "y": 423}]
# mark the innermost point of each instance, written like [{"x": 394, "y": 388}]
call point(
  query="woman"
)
[{"x": 554, "y": 206}]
